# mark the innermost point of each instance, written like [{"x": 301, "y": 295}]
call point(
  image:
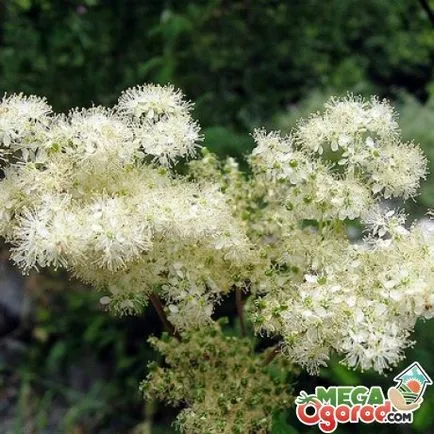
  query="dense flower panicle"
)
[
  {"x": 83, "y": 195},
  {"x": 94, "y": 191},
  {"x": 364, "y": 138},
  {"x": 364, "y": 306},
  {"x": 320, "y": 292}
]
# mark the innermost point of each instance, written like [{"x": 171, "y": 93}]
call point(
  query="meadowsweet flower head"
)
[
  {"x": 84, "y": 195},
  {"x": 397, "y": 170},
  {"x": 363, "y": 136},
  {"x": 96, "y": 136},
  {"x": 19, "y": 115},
  {"x": 44, "y": 234},
  {"x": 161, "y": 122},
  {"x": 168, "y": 139},
  {"x": 152, "y": 102},
  {"x": 346, "y": 123}
]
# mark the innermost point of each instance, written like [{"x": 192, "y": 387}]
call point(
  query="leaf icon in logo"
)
[{"x": 304, "y": 398}]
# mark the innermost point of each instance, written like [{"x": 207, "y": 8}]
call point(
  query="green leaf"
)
[{"x": 280, "y": 424}]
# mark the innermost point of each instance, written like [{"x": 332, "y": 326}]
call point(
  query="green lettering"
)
[
  {"x": 344, "y": 395},
  {"x": 359, "y": 395},
  {"x": 326, "y": 395},
  {"x": 376, "y": 396}
]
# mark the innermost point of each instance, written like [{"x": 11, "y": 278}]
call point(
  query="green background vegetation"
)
[{"x": 246, "y": 64}]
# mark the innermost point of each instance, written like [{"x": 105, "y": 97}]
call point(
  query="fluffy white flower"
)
[
  {"x": 95, "y": 137},
  {"x": 379, "y": 346},
  {"x": 45, "y": 235},
  {"x": 169, "y": 139},
  {"x": 276, "y": 157},
  {"x": 347, "y": 122},
  {"x": 396, "y": 170},
  {"x": 151, "y": 102},
  {"x": 113, "y": 233},
  {"x": 19, "y": 115}
]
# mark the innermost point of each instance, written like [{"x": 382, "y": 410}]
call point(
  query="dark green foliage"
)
[{"x": 240, "y": 60}]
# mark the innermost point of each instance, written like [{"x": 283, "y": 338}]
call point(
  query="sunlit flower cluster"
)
[
  {"x": 307, "y": 232},
  {"x": 84, "y": 191},
  {"x": 324, "y": 292}
]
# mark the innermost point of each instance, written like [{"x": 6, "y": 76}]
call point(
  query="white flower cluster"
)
[
  {"x": 363, "y": 304},
  {"x": 324, "y": 293},
  {"x": 95, "y": 192},
  {"x": 363, "y": 137},
  {"x": 80, "y": 192}
]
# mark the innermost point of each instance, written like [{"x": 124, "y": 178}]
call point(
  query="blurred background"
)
[{"x": 65, "y": 365}]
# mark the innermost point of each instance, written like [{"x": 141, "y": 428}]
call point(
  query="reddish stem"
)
[
  {"x": 240, "y": 310},
  {"x": 271, "y": 356},
  {"x": 156, "y": 302}
]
